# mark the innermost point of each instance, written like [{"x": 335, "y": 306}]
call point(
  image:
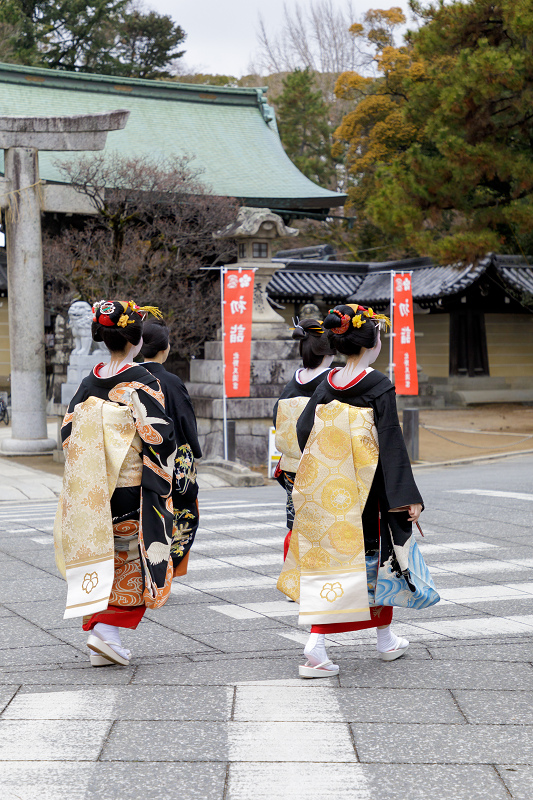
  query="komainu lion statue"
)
[{"x": 80, "y": 317}]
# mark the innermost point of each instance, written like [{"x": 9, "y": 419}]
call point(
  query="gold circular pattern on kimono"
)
[
  {"x": 330, "y": 411},
  {"x": 316, "y": 558},
  {"x": 289, "y": 584},
  {"x": 346, "y": 538},
  {"x": 307, "y": 471},
  {"x": 311, "y": 522},
  {"x": 334, "y": 443},
  {"x": 338, "y": 496}
]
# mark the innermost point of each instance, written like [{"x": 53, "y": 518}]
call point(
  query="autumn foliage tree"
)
[
  {"x": 148, "y": 240},
  {"x": 439, "y": 143}
]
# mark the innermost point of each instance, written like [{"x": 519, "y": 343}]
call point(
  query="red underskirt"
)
[
  {"x": 286, "y": 544},
  {"x": 380, "y": 615},
  {"x": 113, "y": 615}
]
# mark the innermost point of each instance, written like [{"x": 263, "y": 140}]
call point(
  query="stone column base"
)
[{"x": 27, "y": 447}]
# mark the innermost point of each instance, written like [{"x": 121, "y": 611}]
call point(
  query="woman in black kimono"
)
[
  {"x": 114, "y": 523},
  {"x": 354, "y": 331},
  {"x": 316, "y": 354},
  {"x": 179, "y": 408}
]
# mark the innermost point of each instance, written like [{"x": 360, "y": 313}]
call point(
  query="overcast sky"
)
[{"x": 221, "y": 34}]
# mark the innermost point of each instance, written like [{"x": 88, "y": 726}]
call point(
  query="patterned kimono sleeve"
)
[
  {"x": 159, "y": 442},
  {"x": 185, "y": 500}
]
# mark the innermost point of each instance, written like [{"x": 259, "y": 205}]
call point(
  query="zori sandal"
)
[
  {"x": 105, "y": 649},
  {"x": 99, "y": 661},
  {"x": 397, "y": 651},
  {"x": 322, "y": 670}
]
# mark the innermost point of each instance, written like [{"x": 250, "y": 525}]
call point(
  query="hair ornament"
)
[
  {"x": 145, "y": 310},
  {"x": 358, "y": 321},
  {"x": 124, "y": 321},
  {"x": 345, "y": 321},
  {"x": 378, "y": 318}
]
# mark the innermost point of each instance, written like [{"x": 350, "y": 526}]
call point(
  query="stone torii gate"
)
[{"x": 22, "y": 194}]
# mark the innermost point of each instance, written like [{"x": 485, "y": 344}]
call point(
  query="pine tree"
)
[
  {"x": 304, "y": 126},
  {"x": 439, "y": 145}
]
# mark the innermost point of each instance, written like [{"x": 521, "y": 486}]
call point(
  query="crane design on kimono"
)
[{"x": 158, "y": 551}]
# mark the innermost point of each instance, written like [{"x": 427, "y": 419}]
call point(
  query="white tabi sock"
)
[
  {"x": 111, "y": 635},
  {"x": 387, "y": 640},
  {"x": 315, "y": 650}
]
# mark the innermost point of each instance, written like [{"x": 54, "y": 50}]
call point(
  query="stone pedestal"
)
[
  {"x": 78, "y": 368},
  {"x": 274, "y": 357},
  {"x": 272, "y": 365}
]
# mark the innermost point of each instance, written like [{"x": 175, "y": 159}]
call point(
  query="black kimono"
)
[
  {"x": 140, "y": 502},
  {"x": 184, "y": 487}
]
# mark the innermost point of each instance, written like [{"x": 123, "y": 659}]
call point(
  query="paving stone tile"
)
[
  {"x": 46, "y": 780},
  {"x": 47, "y": 588},
  {"x": 518, "y": 778},
  {"x": 54, "y": 654},
  {"x": 504, "y": 608},
  {"x": 483, "y": 651},
  {"x": 16, "y": 632},
  {"x": 512, "y": 707},
  {"x": 248, "y": 641},
  {"x": 236, "y": 741},
  {"x": 183, "y": 781},
  {"x": 6, "y": 694},
  {"x": 435, "y": 612},
  {"x": 264, "y": 781},
  {"x": 67, "y": 675},
  {"x": 51, "y": 740},
  {"x": 47, "y": 615},
  {"x": 218, "y": 671},
  {"x": 166, "y": 741},
  {"x": 436, "y": 675},
  {"x": 95, "y": 781},
  {"x": 441, "y": 744},
  {"x": 260, "y": 594},
  {"x": 139, "y": 703},
  {"x": 434, "y": 782},
  {"x": 314, "y": 704},
  {"x": 190, "y": 620}
]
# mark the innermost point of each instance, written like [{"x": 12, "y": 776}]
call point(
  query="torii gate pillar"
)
[{"x": 22, "y": 138}]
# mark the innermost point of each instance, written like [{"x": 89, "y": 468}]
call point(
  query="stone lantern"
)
[
  {"x": 255, "y": 229},
  {"x": 274, "y": 355}
]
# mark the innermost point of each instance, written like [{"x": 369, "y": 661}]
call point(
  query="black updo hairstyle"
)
[
  {"x": 155, "y": 338},
  {"x": 116, "y": 323},
  {"x": 314, "y": 343},
  {"x": 342, "y": 334}
]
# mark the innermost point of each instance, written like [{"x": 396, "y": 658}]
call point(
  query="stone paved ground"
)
[{"x": 212, "y": 708}]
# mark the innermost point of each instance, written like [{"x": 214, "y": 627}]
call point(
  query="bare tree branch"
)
[{"x": 148, "y": 241}]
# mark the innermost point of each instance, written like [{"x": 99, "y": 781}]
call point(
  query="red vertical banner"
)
[
  {"x": 405, "y": 373},
  {"x": 238, "y": 304}
]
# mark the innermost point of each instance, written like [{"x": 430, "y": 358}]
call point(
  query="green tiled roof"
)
[{"x": 231, "y": 133}]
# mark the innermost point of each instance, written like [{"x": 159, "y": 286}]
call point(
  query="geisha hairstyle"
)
[
  {"x": 119, "y": 322},
  {"x": 314, "y": 343},
  {"x": 155, "y": 338},
  {"x": 352, "y": 327}
]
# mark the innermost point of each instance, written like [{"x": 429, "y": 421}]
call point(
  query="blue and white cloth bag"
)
[{"x": 390, "y": 585}]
